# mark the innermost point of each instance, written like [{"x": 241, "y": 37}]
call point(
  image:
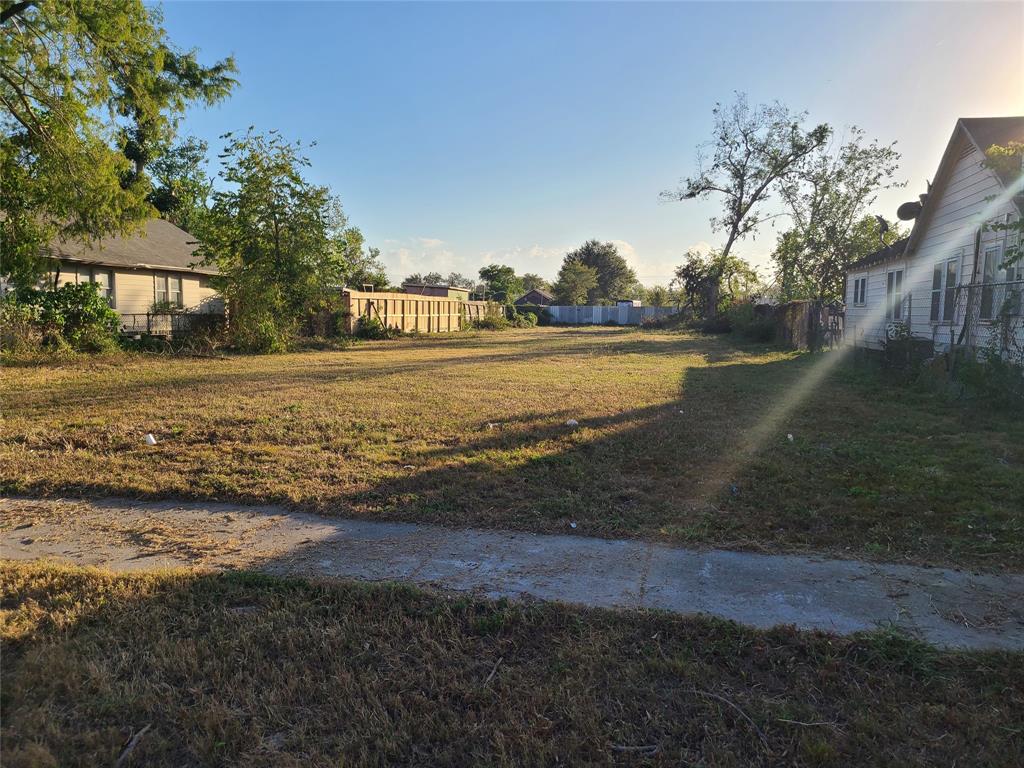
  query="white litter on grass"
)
[
  {"x": 572, "y": 423},
  {"x": 790, "y": 438},
  {"x": 572, "y": 525},
  {"x": 150, "y": 440},
  {"x": 408, "y": 466},
  {"x": 491, "y": 424}
]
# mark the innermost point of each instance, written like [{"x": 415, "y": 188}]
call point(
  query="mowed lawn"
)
[
  {"x": 681, "y": 438},
  {"x": 243, "y": 670}
]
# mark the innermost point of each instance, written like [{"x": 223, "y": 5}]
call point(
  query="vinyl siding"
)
[
  {"x": 963, "y": 199},
  {"x": 135, "y": 289}
]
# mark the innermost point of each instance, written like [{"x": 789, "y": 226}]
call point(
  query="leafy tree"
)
[
  {"x": 709, "y": 284},
  {"x": 615, "y": 278},
  {"x": 458, "y": 280},
  {"x": 657, "y": 296},
  {"x": 575, "y": 282},
  {"x": 1008, "y": 161},
  {"x": 752, "y": 148},
  {"x": 502, "y": 284},
  {"x": 828, "y": 194},
  {"x": 532, "y": 281},
  {"x": 181, "y": 186},
  {"x": 431, "y": 278},
  {"x": 91, "y": 94},
  {"x": 363, "y": 265},
  {"x": 278, "y": 240}
]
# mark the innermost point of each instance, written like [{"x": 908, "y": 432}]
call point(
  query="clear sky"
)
[{"x": 467, "y": 133}]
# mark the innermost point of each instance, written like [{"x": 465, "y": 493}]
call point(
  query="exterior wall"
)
[
  {"x": 599, "y": 315},
  {"x": 948, "y": 233},
  {"x": 412, "y": 312},
  {"x": 135, "y": 289}
]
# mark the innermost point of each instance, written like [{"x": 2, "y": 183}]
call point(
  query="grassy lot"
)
[
  {"x": 682, "y": 438},
  {"x": 240, "y": 669}
]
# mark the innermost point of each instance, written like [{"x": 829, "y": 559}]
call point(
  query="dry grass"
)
[
  {"x": 245, "y": 670},
  {"x": 470, "y": 431}
]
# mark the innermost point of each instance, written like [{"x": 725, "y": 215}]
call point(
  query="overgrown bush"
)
[
  {"x": 371, "y": 328},
  {"x": 20, "y": 331},
  {"x": 72, "y": 316},
  {"x": 523, "y": 320},
  {"x": 717, "y": 324},
  {"x": 990, "y": 379},
  {"x": 491, "y": 323},
  {"x": 744, "y": 321}
]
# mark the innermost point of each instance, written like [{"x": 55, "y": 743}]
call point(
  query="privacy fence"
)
[
  {"x": 412, "y": 313},
  {"x": 606, "y": 315}
]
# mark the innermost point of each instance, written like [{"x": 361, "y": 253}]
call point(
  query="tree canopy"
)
[
  {"x": 278, "y": 240},
  {"x": 575, "y": 282},
  {"x": 828, "y": 194},
  {"x": 91, "y": 93},
  {"x": 501, "y": 283},
  {"x": 615, "y": 278}
]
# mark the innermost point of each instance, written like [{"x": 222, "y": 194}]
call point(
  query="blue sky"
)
[{"x": 466, "y": 133}]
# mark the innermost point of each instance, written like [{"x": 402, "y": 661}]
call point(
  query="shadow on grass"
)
[{"x": 242, "y": 669}]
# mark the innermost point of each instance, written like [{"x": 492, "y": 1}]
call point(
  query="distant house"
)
[
  {"x": 448, "y": 291},
  {"x": 536, "y": 297},
  {"x": 628, "y": 303},
  {"x": 949, "y": 272},
  {"x": 140, "y": 273}
]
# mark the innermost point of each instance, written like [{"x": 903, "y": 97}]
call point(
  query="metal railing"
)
[{"x": 170, "y": 323}]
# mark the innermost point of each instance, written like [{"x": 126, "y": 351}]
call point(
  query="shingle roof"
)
[
  {"x": 161, "y": 246},
  {"x": 891, "y": 251}
]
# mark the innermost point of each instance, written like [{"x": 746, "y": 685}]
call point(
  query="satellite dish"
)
[{"x": 909, "y": 211}]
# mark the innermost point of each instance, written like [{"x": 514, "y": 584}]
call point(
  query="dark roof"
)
[
  {"x": 891, "y": 251},
  {"x": 160, "y": 246},
  {"x": 540, "y": 291}
]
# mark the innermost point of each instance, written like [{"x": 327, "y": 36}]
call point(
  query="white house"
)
[{"x": 949, "y": 271}]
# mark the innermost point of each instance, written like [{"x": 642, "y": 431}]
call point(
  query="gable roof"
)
[
  {"x": 891, "y": 251},
  {"x": 161, "y": 246},
  {"x": 539, "y": 291},
  {"x": 982, "y": 133}
]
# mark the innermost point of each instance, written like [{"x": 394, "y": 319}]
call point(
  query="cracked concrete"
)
[{"x": 948, "y": 608}]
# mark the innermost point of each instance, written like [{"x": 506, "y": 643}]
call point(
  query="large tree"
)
[
  {"x": 751, "y": 149},
  {"x": 90, "y": 93},
  {"x": 363, "y": 265},
  {"x": 501, "y": 282},
  {"x": 709, "y": 283},
  {"x": 431, "y": 278},
  {"x": 532, "y": 281},
  {"x": 828, "y": 195},
  {"x": 615, "y": 278},
  {"x": 181, "y": 186},
  {"x": 575, "y": 282},
  {"x": 278, "y": 240}
]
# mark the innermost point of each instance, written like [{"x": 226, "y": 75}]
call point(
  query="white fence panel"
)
[{"x": 599, "y": 315}]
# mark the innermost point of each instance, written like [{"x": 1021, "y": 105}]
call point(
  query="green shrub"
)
[
  {"x": 743, "y": 320},
  {"x": 491, "y": 323},
  {"x": 76, "y": 316},
  {"x": 371, "y": 328},
  {"x": 991, "y": 380},
  {"x": 20, "y": 331},
  {"x": 523, "y": 320}
]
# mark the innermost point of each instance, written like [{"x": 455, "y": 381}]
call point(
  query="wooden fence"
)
[{"x": 410, "y": 313}]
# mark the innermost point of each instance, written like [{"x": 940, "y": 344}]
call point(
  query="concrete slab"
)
[{"x": 948, "y": 608}]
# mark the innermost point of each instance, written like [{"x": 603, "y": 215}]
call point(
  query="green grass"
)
[
  {"x": 246, "y": 670},
  {"x": 682, "y": 438}
]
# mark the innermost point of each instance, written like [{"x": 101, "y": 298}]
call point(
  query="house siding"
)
[
  {"x": 948, "y": 232},
  {"x": 135, "y": 289}
]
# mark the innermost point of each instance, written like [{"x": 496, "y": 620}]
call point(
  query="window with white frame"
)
[
  {"x": 991, "y": 258},
  {"x": 894, "y": 295},
  {"x": 168, "y": 290},
  {"x": 860, "y": 288},
  {"x": 944, "y": 280},
  {"x": 103, "y": 278}
]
